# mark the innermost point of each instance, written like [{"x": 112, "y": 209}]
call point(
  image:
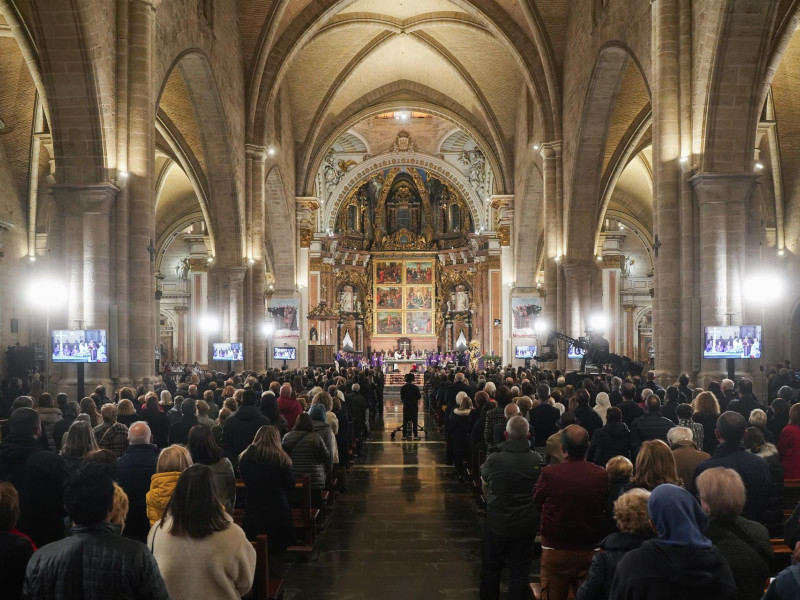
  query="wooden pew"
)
[
  {"x": 305, "y": 519},
  {"x": 264, "y": 586}
]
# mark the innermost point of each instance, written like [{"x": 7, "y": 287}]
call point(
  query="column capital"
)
[
  {"x": 234, "y": 274},
  {"x": 256, "y": 152},
  {"x": 149, "y": 3},
  {"x": 551, "y": 149},
  {"x": 93, "y": 198},
  {"x": 723, "y": 188}
]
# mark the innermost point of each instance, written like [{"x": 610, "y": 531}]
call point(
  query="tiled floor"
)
[{"x": 405, "y": 528}]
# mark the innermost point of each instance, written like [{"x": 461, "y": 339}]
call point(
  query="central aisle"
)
[{"x": 405, "y": 528}]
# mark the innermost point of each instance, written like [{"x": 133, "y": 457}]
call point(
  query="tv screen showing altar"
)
[
  {"x": 732, "y": 341},
  {"x": 228, "y": 351},
  {"x": 79, "y": 346},
  {"x": 524, "y": 351},
  {"x": 284, "y": 353}
]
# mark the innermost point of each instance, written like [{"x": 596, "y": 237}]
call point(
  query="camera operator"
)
[{"x": 410, "y": 396}]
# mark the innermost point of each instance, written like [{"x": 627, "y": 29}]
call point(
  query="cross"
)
[
  {"x": 151, "y": 249},
  {"x": 405, "y": 345},
  {"x": 656, "y": 245}
]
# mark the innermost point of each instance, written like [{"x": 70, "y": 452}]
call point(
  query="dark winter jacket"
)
[
  {"x": 786, "y": 585},
  {"x": 94, "y": 562},
  {"x": 239, "y": 430},
  {"x": 39, "y": 476},
  {"x": 309, "y": 456},
  {"x": 613, "y": 439},
  {"x": 60, "y": 429},
  {"x": 604, "y": 564},
  {"x": 657, "y": 571},
  {"x": 630, "y": 411},
  {"x": 544, "y": 418},
  {"x": 587, "y": 418},
  {"x": 15, "y": 552},
  {"x": 650, "y": 426},
  {"x": 134, "y": 470},
  {"x": 179, "y": 432},
  {"x": 745, "y": 545},
  {"x": 159, "y": 426},
  {"x": 709, "y": 423},
  {"x": 461, "y": 422},
  {"x": 267, "y": 509}
]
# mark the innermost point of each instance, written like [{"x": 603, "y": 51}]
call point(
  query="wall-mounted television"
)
[
  {"x": 732, "y": 341},
  {"x": 575, "y": 352},
  {"x": 284, "y": 353},
  {"x": 524, "y": 351},
  {"x": 227, "y": 351},
  {"x": 79, "y": 346}
]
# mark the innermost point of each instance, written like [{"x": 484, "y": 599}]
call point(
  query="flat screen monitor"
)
[
  {"x": 79, "y": 346},
  {"x": 524, "y": 351},
  {"x": 732, "y": 341},
  {"x": 284, "y": 353},
  {"x": 228, "y": 351},
  {"x": 574, "y": 352}
]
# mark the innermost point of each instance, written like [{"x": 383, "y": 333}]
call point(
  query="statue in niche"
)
[
  {"x": 475, "y": 164},
  {"x": 182, "y": 269},
  {"x": 347, "y": 299},
  {"x": 625, "y": 267},
  {"x": 333, "y": 170},
  {"x": 461, "y": 298}
]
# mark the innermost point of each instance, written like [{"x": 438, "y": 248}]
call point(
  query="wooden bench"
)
[
  {"x": 264, "y": 586},
  {"x": 305, "y": 519}
]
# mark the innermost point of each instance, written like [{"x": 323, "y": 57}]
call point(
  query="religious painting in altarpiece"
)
[{"x": 404, "y": 293}]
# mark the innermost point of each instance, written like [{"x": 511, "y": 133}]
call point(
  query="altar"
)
[{"x": 404, "y": 364}]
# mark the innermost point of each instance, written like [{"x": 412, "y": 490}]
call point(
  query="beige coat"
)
[{"x": 220, "y": 566}]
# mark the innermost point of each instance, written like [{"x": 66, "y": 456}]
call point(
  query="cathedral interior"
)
[{"x": 326, "y": 175}]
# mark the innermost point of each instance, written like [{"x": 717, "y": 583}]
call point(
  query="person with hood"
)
[
  {"x": 49, "y": 416},
  {"x": 681, "y": 562},
  {"x": 613, "y": 439},
  {"x": 37, "y": 474},
  {"x": 633, "y": 524},
  {"x": 744, "y": 544},
  {"x": 288, "y": 405},
  {"x": 461, "y": 423},
  {"x": 309, "y": 454},
  {"x": 317, "y": 413},
  {"x": 240, "y": 428},
  {"x": 602, "y": 404}
]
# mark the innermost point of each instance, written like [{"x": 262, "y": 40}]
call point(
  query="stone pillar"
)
[
  {"x": 181, "y": 351},
  {"x": 255, "y": 339},
  {"x": 667, "y": 186},
  {"x": 87, "y": 212},
  {"x": 629, "y": 310},
  {"x": 579, "y": 280},
  {"x": 722, "y": 201},
  {"x": 141, "y": 187},
  {"x": 305, "y": 219},
  {"x": 553, "y": 302},
  {"x": 228, "y": 282}
]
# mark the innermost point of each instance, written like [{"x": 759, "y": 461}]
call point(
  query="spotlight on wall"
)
[
  {"x": 536, "y": 146},
  {"x": 781, "y": 253},
  {"x": 558, "y": 257},
  {"x": 540, "y": 325},
  {"x": 32, "y": 258},
  {"x": 271, "y": 150},
  {"x": 684, "y": 160},
  {"x": 209, "y": 323},
  {"x": 46, "y": 292},
  {"x": 598, "y": 322},
  {"x": 764, "y": 288},
  {"x": 759, "y": 166},
  {"x": 122, "y": 179},
  {"x": 599, "y": 258},
  {"x": 269, "y": 328},
  {"x": 210, "y": 259},
  {"x": 251, "y": 260}
]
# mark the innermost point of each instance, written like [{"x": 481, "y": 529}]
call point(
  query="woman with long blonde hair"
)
[
  {"x": 655, "y": 464},
  {"x": 706, "y": 412},
  {"x": 267, "y": 474}
]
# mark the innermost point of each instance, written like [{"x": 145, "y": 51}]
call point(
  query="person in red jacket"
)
[
  {"x": 571, "y": 497},
  {"x": 289, "y": 406},
  {"x": 789, "y": 445}
]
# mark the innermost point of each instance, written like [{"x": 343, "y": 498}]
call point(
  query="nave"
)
[{"x": 405, "y": 528}]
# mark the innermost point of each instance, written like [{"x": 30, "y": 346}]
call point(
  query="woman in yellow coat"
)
[{"x": 171, "y": 463}]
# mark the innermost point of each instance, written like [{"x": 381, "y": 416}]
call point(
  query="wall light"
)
[
  {"x": 759, "y": 166},
  {"x": 269, "y": 328},
  {"x": 209, "y": 323},
  {"x": 251, "y": 260},
  {"x": 598, "y": 322},
  {"x": 781, "y": 252},
  {"x": 271, "y": 150},
  {"x": 540, "y": 325},
  {"x": 32, "y": 258},
  {"x": 536, "y": 146}
]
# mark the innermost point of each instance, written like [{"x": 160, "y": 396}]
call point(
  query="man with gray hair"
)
[
  {"x": 511, "y": 410},
  {"x": 512, "y": 521},
  {"x": 687, "y": 456},
  {"x": 728, "y": 395},
  {"x": 134, "y": 470}
]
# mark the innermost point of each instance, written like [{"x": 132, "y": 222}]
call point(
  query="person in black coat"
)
[
  {"x": 71, "y": 412},
  {"x": 613, "y": 439},
  {"x": 585, "y": 416},
  {"x": 650, "y": 426},
  {"x": 37, "y": 474},
  {"x": 633, "y": 523},
  {"x": 410, "y": 397},
  {"x": 747, "y": 401},
  {"x": 15, "y": 549},
  {"x": 134, "y": 470},
  {"x": 681, "y": 562},
  {"x": 267, "y": 474},
  {"x": 630, "y": 409},
  {"x": 179, "y": 432},
  {"x": 670, "y": 406},
  {"x": 241, "y": 427},
  {"x": 544, "y": 416},
  {"x": 157, "y": 421},
  {"x": 461, "y": 419}
]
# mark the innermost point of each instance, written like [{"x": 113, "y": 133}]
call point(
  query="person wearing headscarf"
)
[
  {"x": 602, "y": 404},
  {"x": 681, "y": 562}
]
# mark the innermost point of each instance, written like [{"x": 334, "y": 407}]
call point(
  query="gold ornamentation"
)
[
  {"x": 504, "y": 235},
  {"x": 494, "y": 262},
  {"x": 402, "y": 240},
  {"x": 198, "y": 265},
  {"x": 315, "y": 263},
  {"x": 613, "y": 261}
]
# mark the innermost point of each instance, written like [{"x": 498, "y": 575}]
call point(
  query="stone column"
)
[
  {"x": 230, "y": 293},
  {"x": 255, "y": 340},
  {"x": 87, "y": 212},
  {"x": 579, "y": 279},
  {"x": 181, "y": 351},
  {"x": 629, "y": 310},
  {"x": 722, "y": 201},
  {"x": 141, "y": 186},
  {"x": 554, "y": 301},
  {"x": 667, "y": 186}
]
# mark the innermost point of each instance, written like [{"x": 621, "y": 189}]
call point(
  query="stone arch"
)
[
  {"x": 736, "y": 94},
  {"x": 70, "y": 80},
  {"x": 224, "y": 198},
  {"x": 365, "y": 170},
  {"x": 377, "y": 102},
  {"x": 583, "y": 203},
  {"x": 278, "y": 230},
  {"x": 528, "y": 225}
]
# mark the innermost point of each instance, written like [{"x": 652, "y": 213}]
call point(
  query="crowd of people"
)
[
  {"x": 144, "y": 480},
  {"x": 637, "y": 491}
]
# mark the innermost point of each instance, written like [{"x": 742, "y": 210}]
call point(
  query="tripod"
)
[{"x": 409, "y": 426}]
